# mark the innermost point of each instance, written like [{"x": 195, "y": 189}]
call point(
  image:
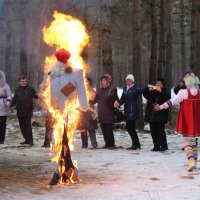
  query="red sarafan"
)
[{"x": 188, "y": 118}]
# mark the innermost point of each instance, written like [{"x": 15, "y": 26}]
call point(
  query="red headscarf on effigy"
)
[{"x": 62, "y": 55}]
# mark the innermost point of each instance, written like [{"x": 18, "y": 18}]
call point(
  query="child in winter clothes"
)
[
  {"x": 188, "y": 118},
  {"x": 88, "y": 120},
  {"x": 88, "y": 124}
]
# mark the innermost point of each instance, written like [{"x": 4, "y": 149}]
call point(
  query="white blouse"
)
[{"x": 177, "y": 99}]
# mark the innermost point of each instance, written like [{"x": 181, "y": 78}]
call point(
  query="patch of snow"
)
[{"x": 105, "y": 174}]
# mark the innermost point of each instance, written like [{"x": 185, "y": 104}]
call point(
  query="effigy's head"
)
[{"x": 62, "y": 55}]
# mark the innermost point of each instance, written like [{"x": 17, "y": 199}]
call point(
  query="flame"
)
[{"x": 69, "y": 33}]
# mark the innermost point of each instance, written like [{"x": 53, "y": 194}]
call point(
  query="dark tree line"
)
[{"x": 148, "y": 38}]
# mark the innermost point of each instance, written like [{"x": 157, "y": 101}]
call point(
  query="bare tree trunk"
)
[
  {"x": 154, "y": 43},
  {"x": 197, "y": 65},
  {"x": 99, "y": 47},
  {"x": 168, "y": 71},
  {"x": 195, "y": 37},
  {"x": 23, "y": 40},
  {"x": 137, "y": 60},
  {"x": 8, "y": 64},
  {"x": 161, "y": 57},
  {"x": 182, "y": 27},
  {"x": 106, "y": 36},
  {"x": 86, "y": 23}
]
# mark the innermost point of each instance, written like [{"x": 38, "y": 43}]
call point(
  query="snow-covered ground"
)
[{"x": 105, "y": 174}]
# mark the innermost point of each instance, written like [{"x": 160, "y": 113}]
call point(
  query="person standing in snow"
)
[
  {"x": 105, "y": 97},
  {"x": 5, "y": 101},
  {"x": 157, "y": 94},
  {"x": 180, "y": 86},
  {"x": 131, "y": 109},
  {"x": 88, "y": 120},
  {"x": 23, "y": 100},
  {"x": 188, "y": 117}
]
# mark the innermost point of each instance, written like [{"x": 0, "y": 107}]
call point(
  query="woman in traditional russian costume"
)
[{"x": 187, "y": 123}]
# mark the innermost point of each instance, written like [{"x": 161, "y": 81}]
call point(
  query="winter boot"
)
[
  {"x": 155, "y": 149},
  {"x": 135, "y": 147}
]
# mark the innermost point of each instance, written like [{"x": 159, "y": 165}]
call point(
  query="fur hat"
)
[
  {"x": 130, "y": 77},
  {"x": 62, "y": 55}
]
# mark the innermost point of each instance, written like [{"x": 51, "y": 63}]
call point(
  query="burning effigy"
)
[{"x": 63, "y": 89}]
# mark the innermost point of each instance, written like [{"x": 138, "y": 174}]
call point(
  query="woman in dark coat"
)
[
  {"x": 157, "y": 95},
  {"x": 105, "y": 97},
  {"x": 131, "y": 109}
]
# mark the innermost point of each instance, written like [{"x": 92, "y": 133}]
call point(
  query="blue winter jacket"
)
[{"x": 129, "y": 99}]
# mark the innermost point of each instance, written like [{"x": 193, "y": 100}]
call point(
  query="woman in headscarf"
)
[
  {"x": 157, "y": 94},
  {"x": 5, "y": 102},
  {"x": 188, "y": 118}
]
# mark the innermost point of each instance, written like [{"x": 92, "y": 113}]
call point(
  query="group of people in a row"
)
[
  {"x": 107, "y": 99},
  {"x": 156, "y": 113},
  {"x": 158, "y": 102}
]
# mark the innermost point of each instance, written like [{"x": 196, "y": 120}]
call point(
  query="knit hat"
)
[
  {"x": 130, "y": 77},
  {"x": 62, "y": 55}
]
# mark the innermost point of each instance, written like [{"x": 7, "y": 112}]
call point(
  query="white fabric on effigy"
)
[{"x": 59, "y": 82}]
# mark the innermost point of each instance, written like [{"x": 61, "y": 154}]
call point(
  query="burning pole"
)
[{"x": 63, "y": 89}]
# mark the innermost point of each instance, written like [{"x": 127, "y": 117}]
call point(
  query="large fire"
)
[{"x": 69, "y": 33}]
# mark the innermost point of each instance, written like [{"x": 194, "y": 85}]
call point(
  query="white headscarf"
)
[{"x": 130, "y": 77}]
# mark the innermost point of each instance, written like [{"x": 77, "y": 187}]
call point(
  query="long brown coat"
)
[{"x": 105, "y": 98}]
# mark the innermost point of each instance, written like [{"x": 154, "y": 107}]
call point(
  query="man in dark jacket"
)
[
  {"x": 105, "y": 97},
  {"x": 157, "y": 94},
  {"x": 23, "y": 100}
]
